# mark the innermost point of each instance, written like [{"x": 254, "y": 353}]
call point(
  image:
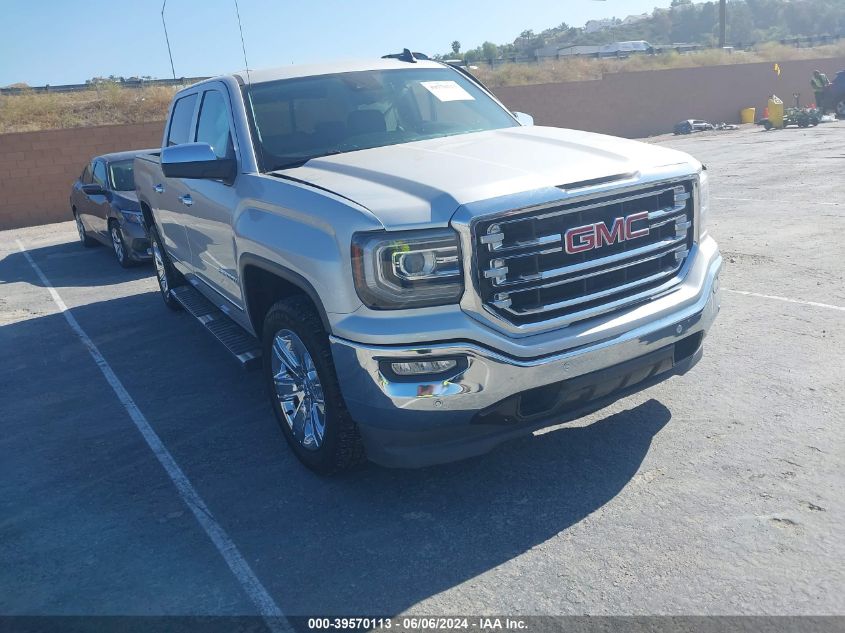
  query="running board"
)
[{"x": 244, "y": 347}]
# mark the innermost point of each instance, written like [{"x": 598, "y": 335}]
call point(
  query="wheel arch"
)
[
  {"x": 147, "y": 212},
  {"x": 265, "y": 282}
]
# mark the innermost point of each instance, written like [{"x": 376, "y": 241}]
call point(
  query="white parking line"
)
[
  {"x": 815, "y": 304},
  {"x": 267, "y": 608}
]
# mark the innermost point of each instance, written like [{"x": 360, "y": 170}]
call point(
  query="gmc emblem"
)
[{"x": 592, "y": 236}]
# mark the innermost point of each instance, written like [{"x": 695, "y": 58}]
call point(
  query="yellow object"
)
[
  {"x": 776, "y": 112},
  {"x": 747, "y": 115},
  {"x": 777, "y": 69}
]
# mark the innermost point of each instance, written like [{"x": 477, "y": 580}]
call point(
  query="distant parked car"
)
[
  {"x": 692, "y": 125},
  {"x": 106, "y": 209},
  {"x": 833, "y": 97}
]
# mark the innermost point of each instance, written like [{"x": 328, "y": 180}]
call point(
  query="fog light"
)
[{"x": 414, "y": 368}]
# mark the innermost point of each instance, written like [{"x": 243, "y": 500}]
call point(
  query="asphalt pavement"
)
[{"x": 718, "y": 492}]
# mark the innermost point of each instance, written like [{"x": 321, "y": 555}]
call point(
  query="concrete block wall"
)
[
  {"x": 640, "y": 104},
  {"x": 37, "y": 169}
]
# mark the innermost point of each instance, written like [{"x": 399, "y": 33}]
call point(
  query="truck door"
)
[
  {"x": 210, "y": 236},
  {"x": 171, "y": 199}
]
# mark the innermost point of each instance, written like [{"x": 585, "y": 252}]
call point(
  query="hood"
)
[
  {"x": 126, "y": 200},
  {"x": 423, "y": 183}
]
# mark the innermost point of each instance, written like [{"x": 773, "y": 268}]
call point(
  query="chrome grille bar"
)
[
  {"x": 624, "y": 264},
  {"x": 597, "y": 295},
  {"x": 550, "y": 214},
  {"x": 595, "y": 263},
  {"x": 525, "y": 268}
]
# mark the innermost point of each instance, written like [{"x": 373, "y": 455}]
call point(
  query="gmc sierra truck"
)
[{"x": 420, "y": 273}]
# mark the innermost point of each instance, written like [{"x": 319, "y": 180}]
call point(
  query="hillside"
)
[
  {"x": 109, "y": 104},
  {"x": 585, "y": 69},
  {"x": 103, "y": 105},
  {"x": 749, "y": 22}
]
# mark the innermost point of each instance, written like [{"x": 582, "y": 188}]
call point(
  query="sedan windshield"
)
[
  {"x": 296, "y": 120},
  {"x": 120, "y": 175}
]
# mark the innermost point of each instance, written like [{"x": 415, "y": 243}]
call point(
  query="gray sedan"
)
[{"x": 106, "y": 209}]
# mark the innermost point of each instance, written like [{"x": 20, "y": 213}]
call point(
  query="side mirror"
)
[
  {"x": 524, "y": 119},
  {"x": 93, "y": 189},
  {"x": 196, "y": 160}
]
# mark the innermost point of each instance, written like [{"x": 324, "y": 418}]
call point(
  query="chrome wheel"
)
[
  {"x": 161, "y": 272},
  {"x": 298, "y": 389},
  {"x": 117, "y": 240},
  {"x": 79, "y": 227}
]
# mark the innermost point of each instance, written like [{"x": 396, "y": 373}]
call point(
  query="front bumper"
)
[
  {"x": 491, "y": 397},
  {"x": 137, "y": 241}
]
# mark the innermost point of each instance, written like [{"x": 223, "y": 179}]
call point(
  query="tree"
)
[
  {"x": 489, "y": 51},
  {"x": 456, "y": 47}
]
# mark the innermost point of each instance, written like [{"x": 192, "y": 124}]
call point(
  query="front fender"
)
[{"x": 305, "y": 234}]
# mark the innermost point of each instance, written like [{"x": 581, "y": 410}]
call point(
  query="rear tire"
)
[
  {"x": 300, "y": 377},
  {"x": 167, "y": 276},
  {"x": 87, "y": 240}
]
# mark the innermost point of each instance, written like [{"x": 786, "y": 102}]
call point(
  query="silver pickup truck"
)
[{"x": 420, "y": 273}]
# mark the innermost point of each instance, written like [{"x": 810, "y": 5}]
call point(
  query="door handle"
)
[
  {"x": 159, "y": 188},
  {"x": 186, "y": 200}
]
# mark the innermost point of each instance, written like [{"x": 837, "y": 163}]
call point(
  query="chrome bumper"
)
[{"x": 419, "y": 422}]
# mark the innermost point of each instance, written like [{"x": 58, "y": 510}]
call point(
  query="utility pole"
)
[{"x": 723, "y": 19}]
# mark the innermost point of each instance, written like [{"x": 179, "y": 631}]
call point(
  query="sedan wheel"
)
[
  {"x": 119, "y": 246},
  {"x": 840, "y": 109},
  {"x": 298, "y": 390}
]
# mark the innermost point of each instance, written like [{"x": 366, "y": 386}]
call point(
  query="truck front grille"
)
[{"x": 582, "y": 258}]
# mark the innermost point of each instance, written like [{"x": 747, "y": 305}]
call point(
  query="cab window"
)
[
  {"x": 180, "y": 120},
  {"x": 213, "y": 124}
]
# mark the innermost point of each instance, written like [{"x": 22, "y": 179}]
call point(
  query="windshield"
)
[
  {"x": 120, "y": 175},
  {"x": 296, "y": 120}
]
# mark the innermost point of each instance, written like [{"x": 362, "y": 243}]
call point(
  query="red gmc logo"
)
[{"x": 591, "y": 236}]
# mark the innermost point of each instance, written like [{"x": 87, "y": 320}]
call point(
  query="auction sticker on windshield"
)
[{"x": 447, "y": 91}]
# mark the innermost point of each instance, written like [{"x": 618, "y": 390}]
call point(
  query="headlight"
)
[
  {"x": 407, "y": 269},
  {"x": 703, "y": 202},
  {"x": 133, "y": 217}
]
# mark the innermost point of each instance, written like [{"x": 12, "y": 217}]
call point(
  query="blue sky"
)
[{"x": 68, "y": 41}]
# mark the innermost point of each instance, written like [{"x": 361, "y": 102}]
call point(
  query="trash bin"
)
[
  {"x": 747, "y": 115},
  {"x": 776, "y": 112}
]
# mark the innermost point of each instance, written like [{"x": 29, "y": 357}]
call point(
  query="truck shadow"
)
[
  {"x": 396, "y": 538},
  {"x": 372, "y": 541}
]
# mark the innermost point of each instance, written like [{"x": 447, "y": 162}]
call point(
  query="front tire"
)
[
  {"x": 304, "y": 391},
  {"x": 840, "y": 109},
  {"x": 167, "y": 276},
  {"x": 119, "y": 245}
]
